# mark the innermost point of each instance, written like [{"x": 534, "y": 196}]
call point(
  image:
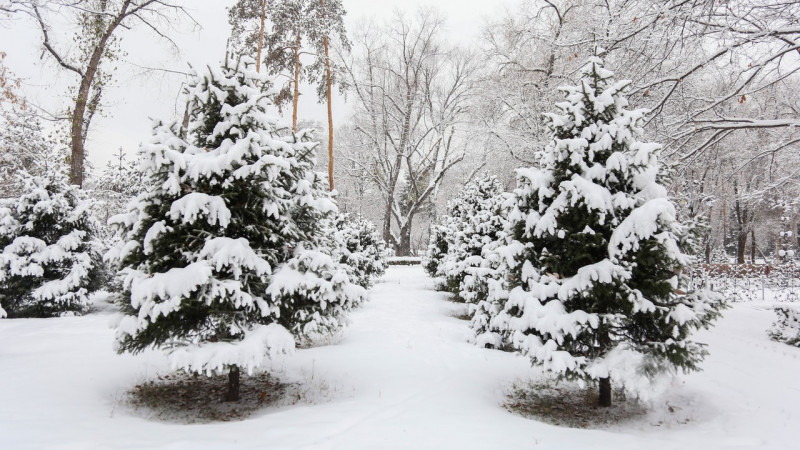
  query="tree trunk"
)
[
  {"x": 404, "y": 246},
  {"x": 261, "y": 35},
  {"x": 797, "y": 234},
  {"x": 81, "y": 101},
  {"x": 330, "y": 114},
  {"x": 296, "y": 82},
  {"x": 387, "y": 222},
  {"x": 604, "y": 399},
  {"x": 330, "y": 110},
  {"x": 753, "y": 246},
  {"x": 741, "y": 246},
  {"x": 78, "y": 127},
  {"x": 233, "y": 384}
]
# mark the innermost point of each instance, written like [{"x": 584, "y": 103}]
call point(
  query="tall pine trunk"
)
[
  {"x": 233, "y": 384},
  {"x": 330, "y": 110},
  {"x": 604, "y": 399},
  {"x": 261, "y": 34},
  {"x": 330, "y": 114},
  {"x": 296, "y": 82}
]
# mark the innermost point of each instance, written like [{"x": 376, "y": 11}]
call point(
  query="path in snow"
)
[{"x": 402, "y": 377}]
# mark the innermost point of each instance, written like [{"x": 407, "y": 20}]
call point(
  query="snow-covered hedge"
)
[
  {"x": 787, "y": 328},
  {"x": 49, "y": 258}
]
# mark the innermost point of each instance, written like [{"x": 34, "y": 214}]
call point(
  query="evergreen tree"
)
[
  {"x": 594, "y": 268},
  {"x": 224, "y": 258},
  {"x": 438, "y": 247},
  {"x": 479, "y": 212},
  {"x": 118, "y": 183},
  {"x": 455, "y": 254},
  {"x": 786, "y": 328},
  {"x": 361, "y": 248},
  {"x": 50, "y": 260},
  {"x": 25, "y": 146}
]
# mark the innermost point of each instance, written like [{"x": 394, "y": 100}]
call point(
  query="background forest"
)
[{"x": 416, "y": 111}]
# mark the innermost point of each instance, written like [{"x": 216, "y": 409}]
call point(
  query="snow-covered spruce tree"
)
[
  {"x": 437, "y": 247},
  {"x": 223, "y": 257},
  {"x": 595, "y": 290},
  {"x": 489, "y": 323},
  {"x": 480, "y": 217},
  {"x": 786, "y": 328},
  {"x": 361, "y": 248},
  {"x": 119, "y": 182},
  {"x": 50, "y": 260},
  {"x": 443, "y": 235}
]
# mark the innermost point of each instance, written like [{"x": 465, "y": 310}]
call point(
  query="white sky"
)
[{"x": 136, "y": 97}]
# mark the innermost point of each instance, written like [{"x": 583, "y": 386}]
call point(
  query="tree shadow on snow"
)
[
  {"x": 186, "y": 398},
  {"x": 567, "y": 404}
]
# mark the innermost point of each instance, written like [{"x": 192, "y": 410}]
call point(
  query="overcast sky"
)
[{"x": 137, "y": 95}]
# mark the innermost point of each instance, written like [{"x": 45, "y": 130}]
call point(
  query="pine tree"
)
[
  {"x": 50, "y": 260},
  {"x": 479, "y": 210},
  {"x": 437, "y": 248},
  {"x": 224, "y": 258},
  {"x": 361, "y": 248},
  {"x": 118, "y": 183},
  {"x": 595, "y": 265},
  {"x": 473, "y": 220},
  {"x": 25, "y": 146}
]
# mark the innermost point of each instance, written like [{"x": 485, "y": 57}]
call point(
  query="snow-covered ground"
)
[{"x": 402, "y": 376}]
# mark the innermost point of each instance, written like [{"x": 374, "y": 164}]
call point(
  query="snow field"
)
[{"x": 402, "y": 376}]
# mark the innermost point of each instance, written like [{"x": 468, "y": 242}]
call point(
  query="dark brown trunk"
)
[
  {"x": 233, "y": 385},
  {"x": 741, "y": 247},
  {"x": 387, "y": 223},
  {"x": 77, "y": 129},
  {"x": 797, "y": 233},
  {"x": 604, "y": 399},
  {"x": 753, "y": 246},
  {"x": 404, "y": 246}
]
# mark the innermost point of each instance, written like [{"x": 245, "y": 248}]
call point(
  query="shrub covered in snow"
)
[
  {"x": 224, "y": 258},
  {"x": 787, "y": 328},
  {"x": 474, "y": 219},
  {"x": 469, "y": 260},
  {"x": 113, "y": 187},
  {"x": 49, "y": 257},
  {"x": 361, "y": 248},
  {"x": 593, "y": 287},
  {"x": 437, "y": 248}
]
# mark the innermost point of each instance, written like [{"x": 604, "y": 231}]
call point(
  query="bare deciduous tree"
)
[
  {"x": 100, "y": 22},
  {"x": 412, "y": 94}
]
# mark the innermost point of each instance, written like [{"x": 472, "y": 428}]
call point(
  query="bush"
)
[
  {"x": 787, "y": 328},
  {"x": 361, "y": 248},
  {"x": 50, "y": 260}
]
